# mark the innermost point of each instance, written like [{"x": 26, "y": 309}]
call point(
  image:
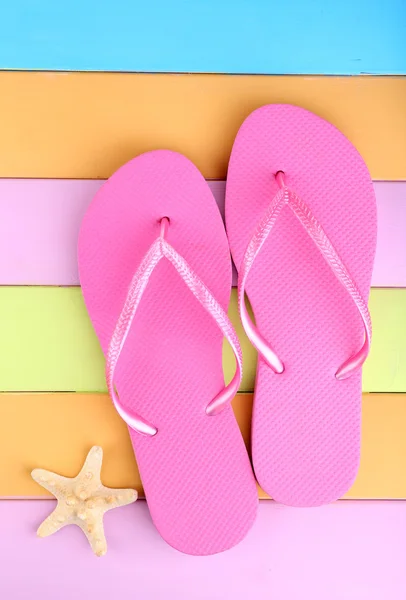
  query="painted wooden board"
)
[
  {"x": 85, "y": 125},
  {"x": 55, "y": 431},
  {"x": 343, "y": 551},
  {"x": 48, "y": 343},
  {"x": 344, "y": 37},
  {"x": 40, "y": 221},
  {"x": 384, "y": 369}
]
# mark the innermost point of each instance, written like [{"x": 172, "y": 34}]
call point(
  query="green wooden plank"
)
[
  {"x": 385, "y": 369},
  {"x": 48, "y": 343}
]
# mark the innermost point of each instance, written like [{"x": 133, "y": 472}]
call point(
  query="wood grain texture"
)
[
  {"x": 240, "y": 37},
  {"x": 48, "y": 343},
  {"x": 55, "y": 432},
  {"x": 343, "y": 551},
  {"x": 85, "y": 125},
  {"x": 40, "y": 221}
]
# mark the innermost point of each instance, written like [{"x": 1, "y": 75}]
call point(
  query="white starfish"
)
[{"x": 82, "y": 500}]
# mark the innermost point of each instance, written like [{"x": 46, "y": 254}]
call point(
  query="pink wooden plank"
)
[
  {"x": 348, "y": 550},
  {"x": 40, "y": 221},
  {"x": 390, "y": 261}
]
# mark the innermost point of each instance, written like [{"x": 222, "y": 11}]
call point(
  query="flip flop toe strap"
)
[
  {"x": 158, "y": 250},
  {"x": 286, "y": 197}
]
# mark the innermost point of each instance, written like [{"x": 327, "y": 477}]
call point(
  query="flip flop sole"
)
[
  {"x": 195, "y": 471},
  {"x": 306, "y": 423}
]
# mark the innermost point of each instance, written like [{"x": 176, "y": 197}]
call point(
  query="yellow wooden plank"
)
[
  {"x": 55, "y": 431},
  {"x": 85, "y": 125}
]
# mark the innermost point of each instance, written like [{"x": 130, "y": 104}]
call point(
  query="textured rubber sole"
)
[
  {"x": 306, "y": 423},
  {"x": 196, "y": 472}
]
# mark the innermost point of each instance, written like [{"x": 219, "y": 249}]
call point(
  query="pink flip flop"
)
[
  {"x": 301, "y": 222},
  {"x": 152, "y": 235}
]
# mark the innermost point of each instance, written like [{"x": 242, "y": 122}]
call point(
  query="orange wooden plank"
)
[
  {"x": 85, "y": 125},
  {"x": 55, "y": 431}
]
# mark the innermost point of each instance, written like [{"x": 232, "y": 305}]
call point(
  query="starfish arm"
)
[
  {"x": 90, "y": 473},
  {"x": 50, "y": 481},
  {"x": 115, "y": 498},
  {"x": 94, "y": 531},
  {"x": 53, "y": 523}
]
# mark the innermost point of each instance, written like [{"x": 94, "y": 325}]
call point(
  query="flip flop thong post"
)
[
  {"x": 155, "y": 270},
  {"x": 301, "y": 222}
]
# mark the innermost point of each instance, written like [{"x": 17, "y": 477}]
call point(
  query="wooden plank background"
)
[
  {"x": 55, "y": 431},
  {"x": 86, "y": 125},
  {"x": 40, "y": 222},
  {"x": 292, "y": 37}
]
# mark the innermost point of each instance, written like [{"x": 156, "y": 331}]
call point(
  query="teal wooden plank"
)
[{"x": 231, "y": 36}]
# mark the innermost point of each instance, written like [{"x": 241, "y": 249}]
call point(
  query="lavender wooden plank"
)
[
  {"x": 390, "y": 261},
  {"x": 40, "y": 220},
  {"x": 347, "y": 550}
]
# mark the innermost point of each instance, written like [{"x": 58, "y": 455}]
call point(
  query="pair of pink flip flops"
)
[{"x": 155, "y": 270}]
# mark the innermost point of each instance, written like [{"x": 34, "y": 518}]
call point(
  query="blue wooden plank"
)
[{"x": 222, "y": 36}]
